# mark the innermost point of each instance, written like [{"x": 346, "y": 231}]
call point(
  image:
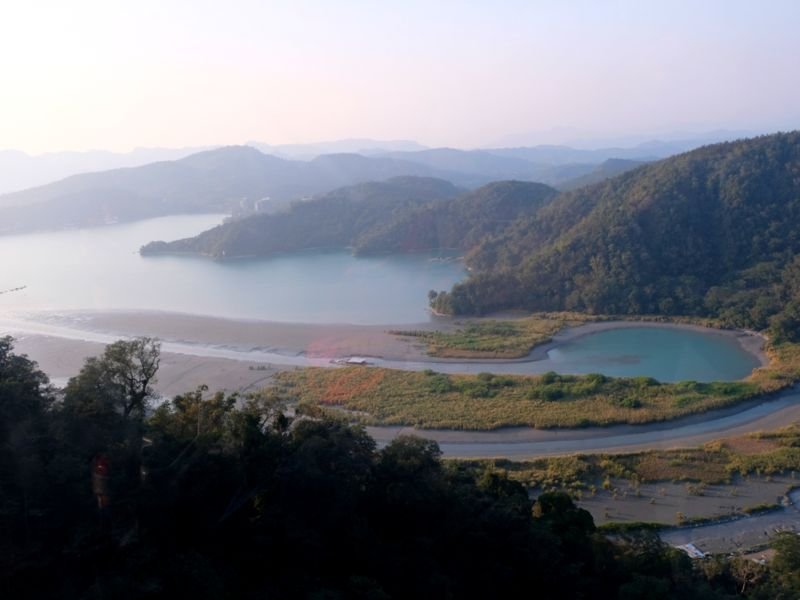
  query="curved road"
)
[{"x": 524, "y": 443}]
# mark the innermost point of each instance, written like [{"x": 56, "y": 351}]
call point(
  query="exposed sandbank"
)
[
  {"x": 63, "y": 358},
  {"x": 336, "y": 340},
  {"x": 312, "y": 340}
]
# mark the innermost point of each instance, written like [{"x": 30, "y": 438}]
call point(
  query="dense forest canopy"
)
[
  {"x": 460, "y": 223},
  {"x": 403, "y": 214},
  {"x": 711, "y": 232},
  {"x": 335, "y": 220},
  {"x": 103, "y": 494}
]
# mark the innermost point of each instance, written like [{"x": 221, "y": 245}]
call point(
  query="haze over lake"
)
[{"x": 101, "y": 269}]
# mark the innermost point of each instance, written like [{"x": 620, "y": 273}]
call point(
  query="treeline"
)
[
  {"x": 210, "y": 496},
  {"x": 713, "y": 232},
  {"x": 404, "y": 214},
  {"x": 460, "y": 223},
  {"x": 335, "y": 220}
]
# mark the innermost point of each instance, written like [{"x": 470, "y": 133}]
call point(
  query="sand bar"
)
[{"x": 320, "y": 341}]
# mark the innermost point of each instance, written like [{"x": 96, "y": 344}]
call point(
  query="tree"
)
[
  {"x": 120, "y": 380},
  {"x": 24, "y": 392},
  {"x": 747, "y": 573},
  {"x": 25, "y": 400},
  {"x": 786, "y": 564}
]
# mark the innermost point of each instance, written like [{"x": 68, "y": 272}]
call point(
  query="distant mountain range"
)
[
  {"x": 19, "y": 171},
  {"x": 244, "y": 179},
  {"x": 240, "y": 178},
  {"x": 362, "y": 146},
  {"x": 212, "y": 181}
]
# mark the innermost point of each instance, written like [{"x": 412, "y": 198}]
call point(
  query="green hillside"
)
[
  {"x": 606, "y": 170},
  {"x": 334, "y": 220},
  {"x": 460, "y": 223},
  {"x": 713, "y": 232}
]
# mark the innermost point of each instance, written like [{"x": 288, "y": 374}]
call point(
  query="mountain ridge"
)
[
  {"x": 714, "y": 231},
  {"x": 334, "y": 220}
]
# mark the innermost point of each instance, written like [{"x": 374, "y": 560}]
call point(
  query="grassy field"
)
[
  {"x": 485, "y": 401},
  {"x": 495, "y": 339}
]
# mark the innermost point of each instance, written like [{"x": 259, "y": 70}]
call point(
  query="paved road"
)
[{"x": 522, "y": 443}]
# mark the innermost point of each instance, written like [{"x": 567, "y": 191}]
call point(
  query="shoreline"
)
[{"x": 335, "y": 340}]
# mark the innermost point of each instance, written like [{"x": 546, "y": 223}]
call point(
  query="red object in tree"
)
[{"x": 101, "y": 472}]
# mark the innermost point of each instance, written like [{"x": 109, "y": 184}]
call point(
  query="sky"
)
[{"x": 119, "y": 74}]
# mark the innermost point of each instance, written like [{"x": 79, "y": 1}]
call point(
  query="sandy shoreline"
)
[
  {"x": 61, "y": 341},
  {"x": 336, "y": 340},
  {"x": 308, "y": 339}
]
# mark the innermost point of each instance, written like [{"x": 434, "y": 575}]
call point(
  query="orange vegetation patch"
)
[
  {"x": 348, "y": 383},
  {"x": 748, "y": 445}
]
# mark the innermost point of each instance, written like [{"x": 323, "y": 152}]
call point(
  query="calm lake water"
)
[
  {"x": 666, "y": 354},
  {"x": 100, "y": 268}
]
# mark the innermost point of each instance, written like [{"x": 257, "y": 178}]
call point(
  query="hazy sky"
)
[{"x": 115, "y": 74}]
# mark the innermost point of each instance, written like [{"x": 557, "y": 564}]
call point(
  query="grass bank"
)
[
  {"x": 484, "y": 401},
  {"x": 493, "y": 338}
]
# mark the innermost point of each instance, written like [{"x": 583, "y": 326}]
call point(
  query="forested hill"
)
[
  {"x": 714, "y": 231},
  {"x": 334, "y": 220},
  {"x": 460, "y": 223},
  {"x": 603, "y": 171},
  {"x": 211, "y": 181}
]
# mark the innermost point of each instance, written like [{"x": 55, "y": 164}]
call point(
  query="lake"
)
[
  {"x": 664, "y": 353},
  {"x": 101, "y": 269},
  {"x": 660, "y": 352}
]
